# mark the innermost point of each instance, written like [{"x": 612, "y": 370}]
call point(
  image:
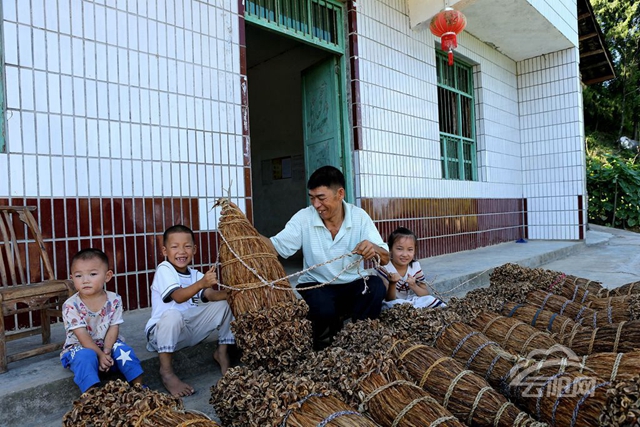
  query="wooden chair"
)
[{"x": 28, "y": 283}]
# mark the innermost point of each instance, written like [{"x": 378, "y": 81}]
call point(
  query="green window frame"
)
[
  {"x": 456, "y": 115},
  {"x": 318, "y": 22}
]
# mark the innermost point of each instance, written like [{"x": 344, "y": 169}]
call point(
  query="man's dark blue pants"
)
[{"x": 330, "y": 305}]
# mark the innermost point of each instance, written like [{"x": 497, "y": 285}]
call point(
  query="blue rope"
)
[
  {"x": 550, "y": 325},
  {"x": 461, "y": 343},
  {"x": 478, "y": 350},
  {"x": 301, "y": 402},
  {"x": 513, "y": 310},
  {"x": 582, "y": 399},
  {"x": 535, "y": 317},
  {"x": 335, "y": 415}
]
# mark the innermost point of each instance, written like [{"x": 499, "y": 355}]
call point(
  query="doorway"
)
[{"x": 296, "y": 122}]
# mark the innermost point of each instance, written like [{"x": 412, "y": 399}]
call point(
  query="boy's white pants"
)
[{"x": 179, "y": 329}]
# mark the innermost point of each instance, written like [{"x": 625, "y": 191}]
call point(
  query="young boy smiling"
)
[
  {"x": 179, "y": 318},
  {"x": 91, "y": 319}
]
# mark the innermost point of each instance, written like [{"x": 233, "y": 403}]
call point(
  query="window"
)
[
  {"x": 457, "y": 119},
  {"x": 2, "y": 101},
  {"x": 318, "y": 21}
]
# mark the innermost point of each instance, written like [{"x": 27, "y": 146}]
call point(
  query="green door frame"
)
[{"x": 338, "y": 50}]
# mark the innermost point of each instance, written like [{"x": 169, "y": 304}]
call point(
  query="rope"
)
[
  {"x": 452, "y": 386},
  {"x": 616, "y": 365},
  {"x": 496, "y": 421},
  {"x": 477, "y": 351},
  {"x": 593, "y": 338},
  {"x": 335, "y": 415},
  {"x": 521, "y": 416},
  {"x": 461, "y": 343},
  {"x": 551, "y": 319},
  {"x": 476, "y": 402},
  {"x": 574, "y": 331},
  {"x": 575, "y": 292},
  {"x": 531, "y": 338},
  {"x": 564, "y": 306},
  {"x": 581, "y": 401},
  {"x": 615, "y": 344},
  {"x": 410, "y": 406},
  {"x": 491, "y": 322},
  {"x": 544, "y": 302},
  {"x": 263, "y": 282},
  {"x": 428, "y": 371},
  {"x": 564, "y": 325},
  {"x": 491, "y": 366},
  {"x": 441, "y": 420},
  {"x": 535, "y": 317},
  {"x": 541, "y": 393},
  {"x": 558, "y": 280},
  {"x": 610, "y": 314},
  {"x": 375, "y": 392},
  {"x": 300, "y": 402},
  {"x": 579, "y": 315},
  {"x": 510, "y": 331},
  {"x": 410, "y": 349},
  {"x": 513, "y": 310},
  {"x": 584, "y": 297}
]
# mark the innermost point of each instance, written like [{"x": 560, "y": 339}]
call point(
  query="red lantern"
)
[{"x": 446, "y": 25}]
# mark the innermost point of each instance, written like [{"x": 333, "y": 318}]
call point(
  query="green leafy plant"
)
[{"x": 613, "y": 185}]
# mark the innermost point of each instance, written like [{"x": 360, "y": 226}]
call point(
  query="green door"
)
[{"x": 322, "y": 125}]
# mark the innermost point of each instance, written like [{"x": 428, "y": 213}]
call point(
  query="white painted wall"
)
[{"x": 122, "y": 99}]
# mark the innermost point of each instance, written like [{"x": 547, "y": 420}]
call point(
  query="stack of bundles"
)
[
  {"x": 419, "y": 323},
  {"x": 246, "y": 397},
  {"x": 513, "y": 334},
  {"x": 271, "y": 326},
  {"x": 320, "y": 410},
  {"x": 120, "y": 404},
  {"x": 491, "y": 298},
  {"x": 274, "y": 338},
  {"x": 378, "y": 388},
  {"x": 466, "y": 395},
  {"x": 576, "y": 311},
  {"x": 510, "y": 274},
  {"x": 626, "y": 289},
  {"x": 562, "y": 399},
  {"x": 245, "y": 259},
  {"x": 476, "y": 352},
  {"x": 623, "y": 406},
  {"x": 579, "y": 288},
  {"x": 559, "y": 326},
  {"x": 620, "y": 337}
]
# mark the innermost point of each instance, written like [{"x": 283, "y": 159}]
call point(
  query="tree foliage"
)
[{"x": 614, "y": 106}]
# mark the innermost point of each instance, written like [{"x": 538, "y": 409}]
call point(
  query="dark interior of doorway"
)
[{"x": 274, "y": 66}]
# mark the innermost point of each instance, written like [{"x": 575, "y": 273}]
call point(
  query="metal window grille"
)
[
  {"x": 317, "y": 21},
  {"x": 457, "y": 120}
]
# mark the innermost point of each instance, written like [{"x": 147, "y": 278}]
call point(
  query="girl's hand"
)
[
  {"x": 394, "y": 278},
  {"x": 411, "y": 281}
]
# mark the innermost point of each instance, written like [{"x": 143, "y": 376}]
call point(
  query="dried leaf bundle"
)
[
  {"x": 465, "y": 394},
  {"x": 576, "y": 311},
  {"x": 613, "y": 366},
  {"x": 317, "y": 409},
  {"x": 559, "y": 326},
  {"x": 255, "y": 397},
  {"x": 512, "y": 334},
  {"x": 243, "y": 255},
  {"x": 626, "y": 289},
  {"x": 579, "y": 289},
  {"x": 421, "y": 323},
  {"x": 118, "y": 404},
  {"x": 172, "y": 417},
  {"x": 274, "y": 338},
  {"x": 621, "y": 337},
  {"x": 392, "y": 400},
  {"x": 603, "y": 303},
  {"x": 366, "y": 336},
  {"x": 623, "y": 405},
  {"x": 476, "y": 352},
  {"x": 509, "y": 274}
]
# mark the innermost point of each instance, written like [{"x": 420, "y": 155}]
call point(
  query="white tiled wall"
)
[
  {"x": 552, "y": 142},
  {"x": 126, "y": 98},
  {"x": 401, "y": 148}
]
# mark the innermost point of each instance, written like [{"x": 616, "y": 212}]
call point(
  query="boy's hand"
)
[{"x": 210, "y": 278}]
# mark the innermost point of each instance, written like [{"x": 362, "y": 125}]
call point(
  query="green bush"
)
[{"x": 613, "y": 185}]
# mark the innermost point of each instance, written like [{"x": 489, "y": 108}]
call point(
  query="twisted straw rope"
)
[{"x": 410, "y": 406}]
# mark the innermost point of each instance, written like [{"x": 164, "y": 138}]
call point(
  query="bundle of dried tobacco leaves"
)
[
  {"x": 120, "y": 404},
  {"x": 576, "y": 311},
  {"x": 510, "y": 274},
  {"x": 247, "y": 262},
  {"x": 274, "y": 338},
  {"x": 619, "y": 337},
  {"x": 254, "y": 397},
  {"x": 421, "y": 324},
  {"x": 559, "y": 326}
]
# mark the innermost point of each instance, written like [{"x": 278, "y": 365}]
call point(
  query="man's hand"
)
[{"x": 366, "y": 249}]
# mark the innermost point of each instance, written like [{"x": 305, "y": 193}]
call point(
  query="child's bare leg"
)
[
  {"x": 172, "y": 383},
  {"x": 137, "y": 380},
  {"x": 221, "y": 355}
]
